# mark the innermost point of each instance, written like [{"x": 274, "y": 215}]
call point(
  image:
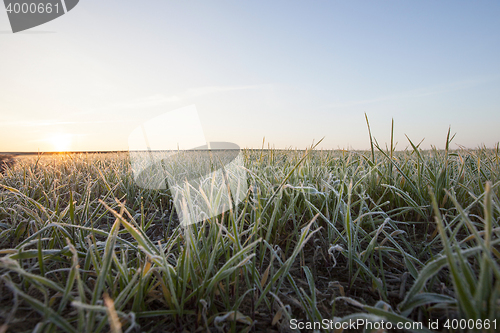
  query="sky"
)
[{"x": 291, "y": 72}]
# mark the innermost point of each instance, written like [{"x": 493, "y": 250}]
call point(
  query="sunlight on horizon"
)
[{"x": 61, "y": 141}]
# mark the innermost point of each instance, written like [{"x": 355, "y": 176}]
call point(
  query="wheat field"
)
[{"x": 400, "y": 236}]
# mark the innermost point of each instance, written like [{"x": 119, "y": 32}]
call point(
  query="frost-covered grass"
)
[{"x": 395, "y": 235}]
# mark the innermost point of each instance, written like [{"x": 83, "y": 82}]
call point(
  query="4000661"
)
[
  {"x": 471, "y": 324},
  {"x": 32, "y": 8}
]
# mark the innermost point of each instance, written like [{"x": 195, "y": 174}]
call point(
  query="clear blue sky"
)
[{"x": 292, "y": 71}]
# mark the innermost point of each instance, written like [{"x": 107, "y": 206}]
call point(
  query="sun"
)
[{"x": 61, "y": 141}]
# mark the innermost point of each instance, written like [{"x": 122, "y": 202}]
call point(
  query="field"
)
[{"x": 400, "y": 236}]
